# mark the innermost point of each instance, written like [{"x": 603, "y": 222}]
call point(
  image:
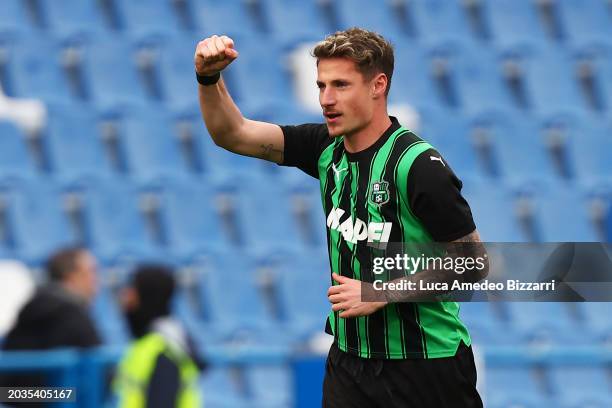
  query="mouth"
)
[{"x": 332, "y": 116}]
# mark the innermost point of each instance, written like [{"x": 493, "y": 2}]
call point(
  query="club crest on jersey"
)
[{"x": 379, "y": 192}]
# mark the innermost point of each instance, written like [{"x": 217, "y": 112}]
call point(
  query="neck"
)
[{"x": 366, "y": 137}]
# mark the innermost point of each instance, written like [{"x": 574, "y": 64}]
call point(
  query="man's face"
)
[
  {"x": 345, "y": 96},
  {"x": 85, "y": 275}
]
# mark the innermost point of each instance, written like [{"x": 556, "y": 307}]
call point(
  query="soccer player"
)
[{"x": 380, "y": 183}]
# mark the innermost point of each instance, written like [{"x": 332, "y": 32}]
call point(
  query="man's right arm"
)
[{"x": 224, "y": 121}]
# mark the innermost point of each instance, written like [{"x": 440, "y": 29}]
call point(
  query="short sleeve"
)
[
  {"x": 434, "y": 193},
  {"x": 304, "y": 145}
]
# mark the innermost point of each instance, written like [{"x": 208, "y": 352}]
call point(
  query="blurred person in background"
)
[
  {"x": 161, "y": 367},
  {"x": 57, "y": 315}
]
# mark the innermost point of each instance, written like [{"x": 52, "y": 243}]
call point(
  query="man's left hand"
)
[{"x": 346, "y": 297}]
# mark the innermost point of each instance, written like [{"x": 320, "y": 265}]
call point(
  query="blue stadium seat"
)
[
  {"x": 38, "y": 220},
  {"x": 441, "y": 20},
  {"x": 177, "y": 78},
  {"x": 272, "y": 89},
  {"x": 360, "y": 13},
  {"x": 15, "y": 160},
  {"x": 14, "y": 18},
  {"x": 477, "y": 74},
  {"x": 192, "y": 221},
  {"x": 585, "y": 21},
  {"x": 513, "y": 386},
  {"x": 580, "y": 385},
  {"x": 412, "y": 80},
  {"x": 540, "y": 320},
  {"x": 593, "y": 62},
  {"x": 494, "y": 211},
  {"x": 36, "y": 74},
  {"x": 115, "y": 223},
  {"x": 514, "y": 22},
  {"x": 303, "y": 281},
  {"x": 588, "y": 146},
  {"x": 556, "y": 203},
  {"x": 226, "y": 17},
  {"x": 222, "y": 387},
  {"x": 269, "y": 385},
  {"x": 505, "y": 138},
  {"x": 151, "y": 145},
  {"x": 450, "y": 135},
  {"x": 232, "y": 289},
  {"x": 597, "y": 315},
  {"x": 149, "y": 17},
  {"x": 109, "y": 318},
  {"x": 74, "y": 143},
  {"x": 295, "y": 21},
  {"x": 69, "y": 17},
  {"x": 549, "y": 77},
  {"x": 110, "y": 69},
  {"x": 264, "y": 215}
]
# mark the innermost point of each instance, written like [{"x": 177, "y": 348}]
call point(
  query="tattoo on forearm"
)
[
  {"x": 472, "y": 247},
  {"x": 268, "y": 152}
]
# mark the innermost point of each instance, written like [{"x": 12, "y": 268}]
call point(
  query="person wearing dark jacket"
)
[
  {"x": 57, "y": 315},
  {"x": 161, "y": 368}
]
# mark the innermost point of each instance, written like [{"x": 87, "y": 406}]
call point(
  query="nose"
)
[{"x": 327, "y": 97}]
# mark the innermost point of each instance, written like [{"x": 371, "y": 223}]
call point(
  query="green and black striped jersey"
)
[{"x": 399, "y": 190}]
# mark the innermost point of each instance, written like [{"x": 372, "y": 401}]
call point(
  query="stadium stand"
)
[{"x": 515, "y": 94}]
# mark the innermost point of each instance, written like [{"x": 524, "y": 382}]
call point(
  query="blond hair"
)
[{"x": 369, "y": 50}]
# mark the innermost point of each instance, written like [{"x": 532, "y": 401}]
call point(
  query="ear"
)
[{"x": 379, "y": 85}]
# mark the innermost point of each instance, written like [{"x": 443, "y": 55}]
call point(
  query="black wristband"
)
[{"x": 206, "y": 80}]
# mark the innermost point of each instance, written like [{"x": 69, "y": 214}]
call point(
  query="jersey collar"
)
[{"x": 367, "y": 152}]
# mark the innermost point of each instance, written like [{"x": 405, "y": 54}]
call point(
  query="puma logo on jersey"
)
[
  {"x": 358, "y": 230},
  {"x": 434, "y": 158},
  {"x": 337, "y": 171}
]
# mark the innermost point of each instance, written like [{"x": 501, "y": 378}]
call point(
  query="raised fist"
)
[{"x": 213, "y": 54}]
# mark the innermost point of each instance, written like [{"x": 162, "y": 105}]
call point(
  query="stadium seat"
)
[
  {"x": 192, "y": 225},
  {"x": 514, "y": 22},
  {"x": 227, "y": 17},
  {"x": 38, "y": 219},
  {"x": 264, "y": 216},
  {"x": 303, "y": 280},
  {"x": 512, "y": 387},
  {"x": 176, "y": 72},
  {"x": 15, "y": 160},
  {"x": 360, "y": 13},
  {"x": 540, "y": 321},
  {"x": 74, "y": 144},
  {"x": 450, "y": 135},
  {"x": 151, "y": 145},
  {"x": 494, "y": 211},
  {"x": 109, "y": 318},
  {"x": 549, "y": 213},
  {"x": 513, "y": 148},
  {"x": 36, "y": 74},
  {"x": 232, "y": 288},
  {"x": 478, "y": 77},
  {"x": 269, "y": 385},
  {"x": 14, "y": 18},
  {"x": 585, "y": 22},
  {"x": 588, "y": 144},
  {"x": 223, "y": 387},
  {"x": 295, "y": 21},
  {"x": 440, "y": 20},
  {"x": 413, "y": 77},
  {"x": 115, "y": 222},
  {"x": 145, "y": 17},
  {"x": 69, "y": 17},
  {"x": 111, "y": 75},
  {"x": 577, "y": 385},
  {"x": 272, "y": 88},
  {"x": 550, "y": 80},
  {"x": 596, "y": 315}
]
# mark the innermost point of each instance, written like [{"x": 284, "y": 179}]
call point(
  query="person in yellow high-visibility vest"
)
[{"x": 160, "y": 369}]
